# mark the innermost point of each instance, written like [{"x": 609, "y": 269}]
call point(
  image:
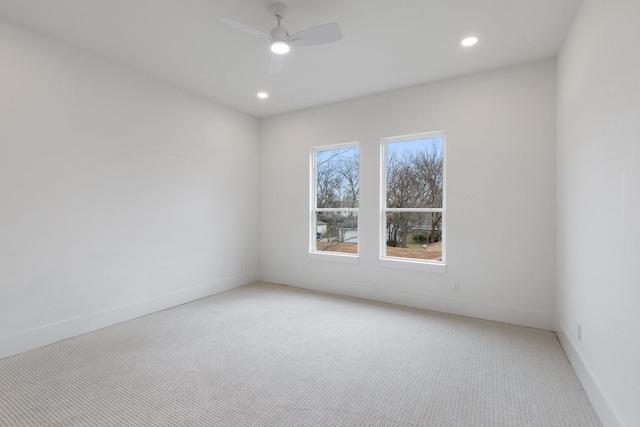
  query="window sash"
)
[
  {"x": 336, "y": 209},
  {"x": 315, "y": 210},
  {"x": 413, "y": 209},
  {"x": 405, "y": 262}
]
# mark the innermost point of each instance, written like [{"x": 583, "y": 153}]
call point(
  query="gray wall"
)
[
  {"x": 119, "y": 195},
  {"x": 500, "y": 183},
  {"x": 598, "y": 205}
]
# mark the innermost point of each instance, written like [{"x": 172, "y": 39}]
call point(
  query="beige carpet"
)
[{"x": 266, "y": 355}]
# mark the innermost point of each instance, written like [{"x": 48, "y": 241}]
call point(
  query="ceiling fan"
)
[{"x": 279, "y": 38}]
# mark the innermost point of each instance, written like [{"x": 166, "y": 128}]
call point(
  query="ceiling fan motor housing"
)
[
  {"x": 280, "y": 33},
  {"x": 280, "y": 40}
]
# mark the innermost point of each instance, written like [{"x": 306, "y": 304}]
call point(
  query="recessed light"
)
[
  {"x": 469, "y": 41},
  {"x": 263, "y": 95}
]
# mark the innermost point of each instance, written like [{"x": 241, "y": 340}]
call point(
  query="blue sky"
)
[
  {"x": 392, "y": 147},
  {"x": 415, "y": 145},
  {"x": 346, "y": 153}
]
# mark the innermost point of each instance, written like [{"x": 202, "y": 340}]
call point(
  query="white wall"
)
[
  {"x": 120, "y": 195},
  {"x": 598, "y": 202},
  {"x": 500, "y": 194}
]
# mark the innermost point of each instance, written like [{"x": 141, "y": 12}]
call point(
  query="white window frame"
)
[
  {"x": 313, "y": 209},
  {"x": 411, "y": 263}
]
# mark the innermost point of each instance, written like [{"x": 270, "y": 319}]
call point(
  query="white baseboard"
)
[
  {"x": 459, "y": 306},
  {"x": 605, "y": 410},
  {"x": 49, "y": 334}
]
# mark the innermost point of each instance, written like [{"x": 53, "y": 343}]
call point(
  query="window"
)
[
  {"x": 413, "y": 201},
  {"x": 335, "y": 198}
]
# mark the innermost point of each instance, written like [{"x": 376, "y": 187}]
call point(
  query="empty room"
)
[{"x": 310, "y": 213}]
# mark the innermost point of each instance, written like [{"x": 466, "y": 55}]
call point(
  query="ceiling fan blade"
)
[
  {"x": 321, "y": 34},
  {"x": 276, "y": 64},
  {"x": 244, "y": 28}
]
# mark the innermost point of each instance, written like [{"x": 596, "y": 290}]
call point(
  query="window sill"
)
[
  {"x": 407, "y": 264},
  {"x": 334, "y": 257}
]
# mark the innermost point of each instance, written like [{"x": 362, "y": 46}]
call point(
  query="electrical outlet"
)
[
  {"x": 456, "y": 286},
  {"x": 579, "y": 331}
]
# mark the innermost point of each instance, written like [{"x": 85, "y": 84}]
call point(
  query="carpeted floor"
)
[{"x": 267, "y": 355}]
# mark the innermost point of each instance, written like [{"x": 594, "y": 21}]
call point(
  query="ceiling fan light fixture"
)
[
  {"x": 280, "y": 46},
  {"x": 469, "y": 41}
]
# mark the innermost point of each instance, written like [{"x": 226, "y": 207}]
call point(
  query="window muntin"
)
[
  {"x": 413, "y": 198},
  {"x": 335, "y": 199}
]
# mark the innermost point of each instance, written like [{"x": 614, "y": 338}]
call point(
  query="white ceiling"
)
[{"x": 386, "y": 44}]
